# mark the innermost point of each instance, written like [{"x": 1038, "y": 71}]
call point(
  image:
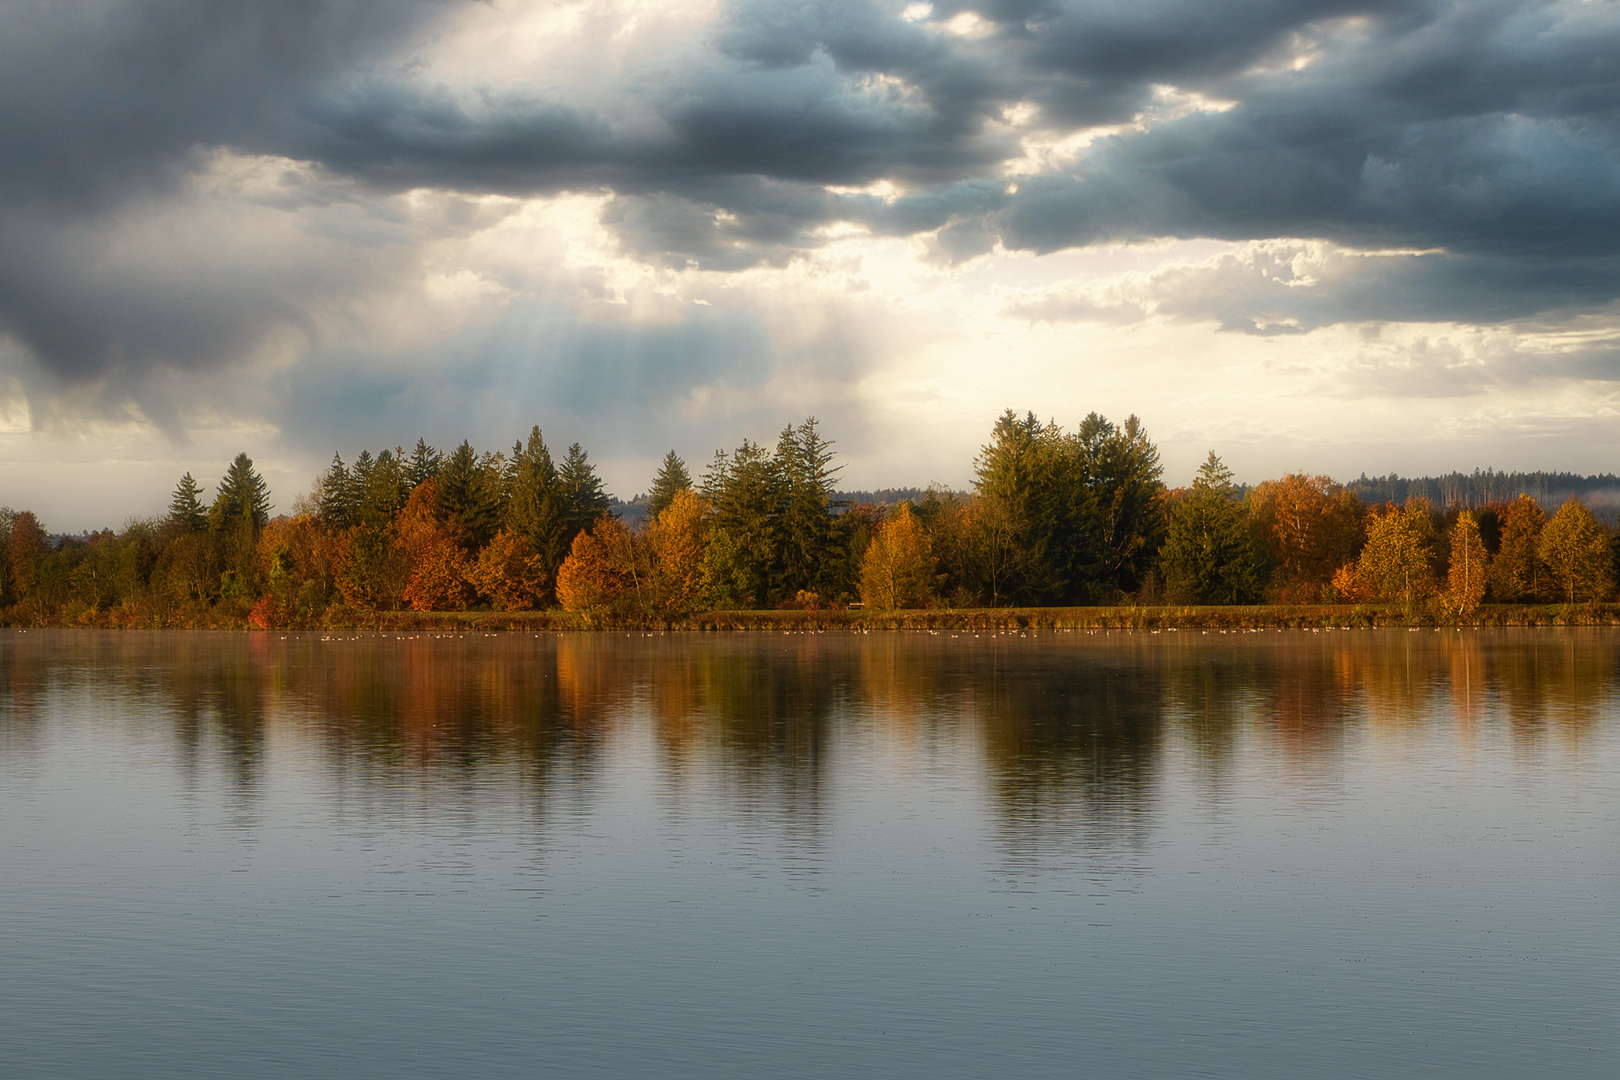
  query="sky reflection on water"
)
[{"x": 1137, "y": 854}]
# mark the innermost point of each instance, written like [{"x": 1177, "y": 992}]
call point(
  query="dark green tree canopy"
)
[
  {"x": 424, "y": 463},
  {"x": 242, "y": 496},
  {"x": 672, "y": 478},
  {"x": 1209, "y": 554},
  {"x": 582, "y": 491},
  {"x": 186, "y": 511}
]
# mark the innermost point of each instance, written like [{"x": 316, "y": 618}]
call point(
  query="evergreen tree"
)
[
  {"x": 1121, "y": 506},
  {"x": 1209, "y": 555},
  {"x": 242, "y": 496},
  {"x": 381, "y": 491},
  {"x": 806, "y": 529},
  {"x": 336, "y": 499},
  {"x": 537, "y": 509},
  {"x": 672, "y": 477},
  {"x": 745, "y": 489},
  {"x": 186, "y": 511},
  {"x": 471, "y": 495},
  {"x": 424, "y": 463},
  {"x": 582, "y": 492}
]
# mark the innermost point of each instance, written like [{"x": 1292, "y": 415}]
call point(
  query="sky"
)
[{"x": 1330, "y": 235}]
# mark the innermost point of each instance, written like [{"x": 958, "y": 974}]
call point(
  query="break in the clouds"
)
[{"x": 1322, "y": 232}]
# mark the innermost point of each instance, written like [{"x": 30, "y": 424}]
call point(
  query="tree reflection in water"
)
[{"x": 1069, "y": 730}]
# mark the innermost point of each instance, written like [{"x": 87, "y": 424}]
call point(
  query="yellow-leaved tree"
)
[
  {"x": 1575, "y": 552},
  {"x": 678, "y": 538},
  {"x": 1396, "y": 563},
  {"x": 1516, "y": 571},
  {"x": 897, "y": 570},
  {"x": 1465, "y": 580}
]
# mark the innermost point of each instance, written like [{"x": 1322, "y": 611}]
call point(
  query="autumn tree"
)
[
  {"x": 26, "y": 548},
  {"x": 1465, "y": 578},
  {"x": 1397, "y": 561},
  {"x": 510, "y": 572},
  {"x": 603, "y": 569},
  {"x": 1209, "y": 555},
  {"x": 434, "y": 553},
  {"x": 1517, "y": 569},
  {"x": 671, "y": 479},
  {"x": 1575, "y": 553},
  {"x": 898, "y": 570},
  {"x": 1307, "y": 527},
  {"x": 678, "y": 539}
]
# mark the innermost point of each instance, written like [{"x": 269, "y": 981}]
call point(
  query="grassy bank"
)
[{"x": 1125, "y": 617}]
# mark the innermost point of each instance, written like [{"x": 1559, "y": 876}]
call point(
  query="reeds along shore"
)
[{"x": 1125, "y": 617}]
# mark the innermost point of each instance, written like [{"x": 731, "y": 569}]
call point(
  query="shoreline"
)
[{"x": 1119, "y": 617}]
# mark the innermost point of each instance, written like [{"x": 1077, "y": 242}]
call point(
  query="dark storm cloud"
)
[{"x": 1487, "y": 128}]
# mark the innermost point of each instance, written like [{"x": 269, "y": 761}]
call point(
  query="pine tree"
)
[
  {"x": 242, "y": 496},
  {"x": 471, "y": 494},
  {"x": 582, "y": 492},
  {"x": 186, "y": 511},
  {"x": 424, "y": 463},
  {"x": 806, "y": 529},
  {"x": 672, "y": 477},
  {"x": 336, "y": 500},
  {"x": 537, "y": 509},
  {"x": 1209, "y": 555}
]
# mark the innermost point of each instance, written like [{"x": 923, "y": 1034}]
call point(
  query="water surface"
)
[{"x": 1277, "y": 854}]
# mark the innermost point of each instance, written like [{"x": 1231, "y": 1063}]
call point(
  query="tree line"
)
[{"x": 1055, "y": 517}]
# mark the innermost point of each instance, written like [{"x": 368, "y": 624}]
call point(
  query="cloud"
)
[{"x": 310, "y": 214}]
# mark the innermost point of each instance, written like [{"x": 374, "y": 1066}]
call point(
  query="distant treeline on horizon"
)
[{"x": 1055, "y": 517}]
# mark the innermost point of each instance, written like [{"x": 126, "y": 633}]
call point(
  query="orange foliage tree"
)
[
  {"x": 438, "y": 567},
  {"x": 510, "y": 572},
  {"x": 1517, "y": 569},
  {"x": 1308, "y": 526},
  {"x": 602, "y": 572}
]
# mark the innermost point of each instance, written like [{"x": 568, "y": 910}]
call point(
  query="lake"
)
[{"x": 1272, "y": 854}]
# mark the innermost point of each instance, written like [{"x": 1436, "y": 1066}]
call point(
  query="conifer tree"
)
[
  {"x": 1209, "y": 555},
  {"x": 536, "y": 509},
  {"x": 186, "y": 511},
  {"x": 807, "y": 537},
  {"x": 336, "y": 501},
  {"x": 581, "y": 490},
  {"x": 672, "y": 478},
  {"x": 424, "y": 463},
  {"x": 242, "y": 496}
]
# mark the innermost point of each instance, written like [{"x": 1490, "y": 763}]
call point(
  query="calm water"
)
[{"x": 1285, "y": 854}]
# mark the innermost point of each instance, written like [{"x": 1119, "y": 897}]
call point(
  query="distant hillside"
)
[
  {"x": 884, "y": 496},
  {"x": 1551, "y": 490}
]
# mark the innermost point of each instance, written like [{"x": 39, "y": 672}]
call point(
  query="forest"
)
[{"x": 1055, "y": 518}]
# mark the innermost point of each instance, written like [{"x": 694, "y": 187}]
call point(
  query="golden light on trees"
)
[
  {"x": 1575, "y": 552},
  {"x": 1465, "y": 580},
  {"x": 898, "y": 568}
]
